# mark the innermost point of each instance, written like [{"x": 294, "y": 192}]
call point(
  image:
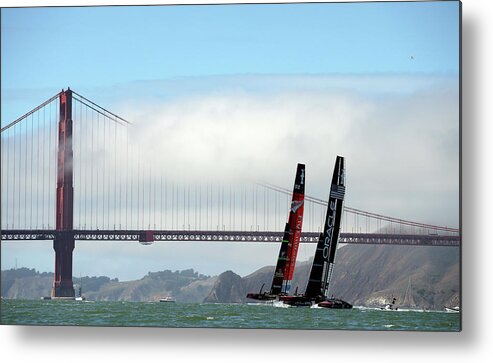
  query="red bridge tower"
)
[{"x": 64, "y": 242}]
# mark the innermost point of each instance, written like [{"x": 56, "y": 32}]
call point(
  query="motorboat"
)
[{"x": 449, "y": 309}]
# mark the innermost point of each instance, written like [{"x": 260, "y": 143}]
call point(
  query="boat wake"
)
[
  {"x": 398, "y": 310},
  {"x": 280, "y": 304}
]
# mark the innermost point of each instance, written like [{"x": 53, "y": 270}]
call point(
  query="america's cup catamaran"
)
[
  {"x": 286, "y": 261},
  {"x": 323, "y": 263}
]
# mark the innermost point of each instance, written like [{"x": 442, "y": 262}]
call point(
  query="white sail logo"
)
[
  {"x": 330, "y": 228},
  {"x": 295, "y": 205}
]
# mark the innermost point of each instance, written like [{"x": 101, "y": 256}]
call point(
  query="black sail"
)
[
  {"x": 323, "y": 262},
  {"x": 281, "y": 263}
]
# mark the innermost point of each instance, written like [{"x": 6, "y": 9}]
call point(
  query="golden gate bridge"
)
[{"x": 70, "y": 172}]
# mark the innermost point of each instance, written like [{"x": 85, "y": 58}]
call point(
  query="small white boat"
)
[
  {"x": 449, "y": 309},
  {"x": 390, "y": 306},
  {"x": 167, "y": 299}
]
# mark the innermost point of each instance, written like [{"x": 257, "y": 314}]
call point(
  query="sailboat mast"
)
[
  {"x": 283, "y": 274},
  {"x": 323, "y": 262}
]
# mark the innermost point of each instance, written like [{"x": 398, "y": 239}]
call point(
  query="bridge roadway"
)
[{"x": 149, "y": 236}]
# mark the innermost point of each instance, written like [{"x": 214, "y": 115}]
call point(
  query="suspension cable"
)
[{"x": 361, "y": 212}]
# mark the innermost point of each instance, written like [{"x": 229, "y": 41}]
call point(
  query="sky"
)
[{"x": 276, "y": 84}]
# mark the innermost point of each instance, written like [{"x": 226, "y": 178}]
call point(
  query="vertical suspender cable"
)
[
  {"x": 142, "y": 198},
  {"x": 161, "y": 205},
  {"x": 37, "y": 170},
  {"x": 138, "y": 189},
  {"x": 98, "y": 183},
  {"x": 115, "y": 141},
  {"x": 207, "y": 207},
  {"x": 165, "y": 226},
  {"x": 50, "y": 163},
  {"x": 103, "y": 184},
  {"x": 269, "y": 197},
  {"x": 222, "y": 206},
  {"x": 195, "y": 226},
  {"x": 177, "y": 198},
  {"x": 131, "y": 174},
  {"x": 256, "y": 228},
  {"x": 20, "y": 177},
  {"x": 146, "y": 210},
  {"x": 121, "y": 180},
  {"x": 3, "y": 184},
  {"x": 230, "y": 211},
  {"x": 241, "y": 207},
  {"x": 26, "y": 186},
  {"x": 9, "y": 153},
  {"x": 22, "y": 186},
  {"x": 150, "y": 192},
  {"x": 242, "y": 199},
  {"x": 172, "y": 205},
  {"x": 264, "y": 216},
  {"x": 43, "y": 157},
  {"x": 76, "y": 175},
  {"x": 188, "y": 206},
  {"x": 13, "y": 179},
  {"x": 13, "y": 174},
  {"x": 219, "y": 204},
  {"x": 252, "y": 208},
  {"x": 51, "y": 186},
  {"x": 107, "y": 159},
  {"x": 313, "y": 215},
  {"x": 127, "y": 162},
  {"x": 154, "y": 187},
  {"x": 31, "y": 198},
  {"x": 199, "y": 207},
  {"x": 92, "y": 166},
  {"x": 83, "y": 125}
]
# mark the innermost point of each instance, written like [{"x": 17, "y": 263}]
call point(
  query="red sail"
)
[
  {"x": 288, "y": 251},
  {"x": 293, "y": 227}
]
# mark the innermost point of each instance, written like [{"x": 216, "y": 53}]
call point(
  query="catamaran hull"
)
[
  {"x": 299, "y": 301},
  {"x": 261, "y": 296},
  {"x": 303, "y": 301},
  {"x": 335, "y": 304}
]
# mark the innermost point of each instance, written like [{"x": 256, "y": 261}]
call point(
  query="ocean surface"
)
[{"x": 249, "y": 316}]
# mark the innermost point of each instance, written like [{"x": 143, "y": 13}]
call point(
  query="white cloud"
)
[{"x": 400, "y": 142}]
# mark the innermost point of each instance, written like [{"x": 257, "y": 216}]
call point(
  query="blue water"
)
[{"x": 134, "y": 314}]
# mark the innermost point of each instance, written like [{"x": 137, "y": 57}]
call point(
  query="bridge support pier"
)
[
  {"x": 64, "y": 242},
  {"x": 62, "y": 283}
]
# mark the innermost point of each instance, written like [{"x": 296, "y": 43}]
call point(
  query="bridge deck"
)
[{"x": 148, "y": 236}]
